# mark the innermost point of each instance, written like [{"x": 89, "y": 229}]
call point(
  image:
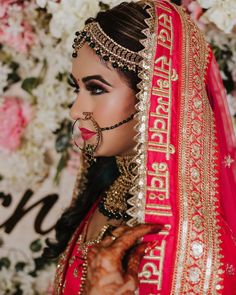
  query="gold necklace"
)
[
  {"x": 114, "y": 203},
  {"x": 84, "y": 248}
]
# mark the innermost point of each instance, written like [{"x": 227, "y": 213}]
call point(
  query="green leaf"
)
[
  {"x": 20, "y": 266},
  {"x": 14, "y": 66},
  {"x": 30, "y": 83},
  {"x": 60, "y": 166},
  {"x": 14, "y": 77},
  {"x": 5, "y": 262},
  {"x": 62, "y": 142},
  {"x": 61, "y": 76},
  {"x": 36, "y": 246}
]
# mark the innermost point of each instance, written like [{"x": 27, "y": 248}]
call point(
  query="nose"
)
[
  {"x": 82, "y": 104},
  {"x": 75, "y": 111}
]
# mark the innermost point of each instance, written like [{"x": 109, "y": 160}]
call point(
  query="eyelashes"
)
[
  {"x": 95, "y": 89},
  {"x": 92, "y": 87},
  {"x": 72, "y": 83}
]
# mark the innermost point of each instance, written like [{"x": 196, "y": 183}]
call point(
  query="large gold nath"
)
[{"x": 107, "y": 48}]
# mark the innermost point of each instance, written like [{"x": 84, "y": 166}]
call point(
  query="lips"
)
[{"x": 87, "y": 134}]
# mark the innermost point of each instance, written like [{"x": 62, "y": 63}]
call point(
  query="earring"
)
[{"x": 114, "y": 202}]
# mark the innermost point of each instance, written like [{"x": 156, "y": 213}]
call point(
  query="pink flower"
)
[
  {"x": 22, "y": 38},
  {"x": 195, "y": 11},
  {"x": 15, "y": 114},
  {"x": 4, "y": 4},
  {"x": 185, "y": 3}
]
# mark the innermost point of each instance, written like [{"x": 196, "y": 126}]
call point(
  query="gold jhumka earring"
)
[{"x": 114, "y": 203}]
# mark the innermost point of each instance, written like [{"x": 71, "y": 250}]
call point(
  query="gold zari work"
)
[
  {"x": 115, "y": 200},
  {"x": 103, "y": 45},
  {"x": 198, "y": 267}
]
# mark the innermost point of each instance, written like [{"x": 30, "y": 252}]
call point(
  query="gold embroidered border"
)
[
  {"x": 152, "y": 269},
  {"x": 61, "y": 267},
  {"x": 159, "y": 147},
  {"x": 138, "y": 191},
  {"x": 198, "y": 266}
]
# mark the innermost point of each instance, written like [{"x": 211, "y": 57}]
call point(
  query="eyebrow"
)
[
  {"x": 96, "y": 77},
  {"x": 93, "y": 77}
]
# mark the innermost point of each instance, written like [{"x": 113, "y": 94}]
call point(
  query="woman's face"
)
[{"x": 102, "y": 91}]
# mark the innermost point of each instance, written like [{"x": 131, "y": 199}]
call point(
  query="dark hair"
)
[{"x": 124, "y": 24}]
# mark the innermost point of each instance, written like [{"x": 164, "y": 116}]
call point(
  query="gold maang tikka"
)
[
  {"x": 114, "y": 202},
  {"x": 106, "y": 47}
]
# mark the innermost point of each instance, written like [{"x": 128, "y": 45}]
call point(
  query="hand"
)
[{"x": 106, "y": 274}]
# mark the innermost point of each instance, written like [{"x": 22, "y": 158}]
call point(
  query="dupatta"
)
[{"x": 186, "y": 161}]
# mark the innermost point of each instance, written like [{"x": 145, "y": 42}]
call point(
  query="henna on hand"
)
[{"x": 105, "y": 275}]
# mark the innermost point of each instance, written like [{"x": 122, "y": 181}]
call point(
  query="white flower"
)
[
  {"x": 22, "y": 169},
  {"x": 221, "y": 13},
  {"x": 113, "y": 3},
  {"x": 4, "y": 72},
  {"x": 208, "y": 3},
  {"x": 7, "y": 285},
  {"x": 41, "y": 3},
  {"x": 69, "y": 15},
  {"x": 44, "y": 279},
  {"x": 231, "y": 98},
  {"x": 25, "y": 281}
]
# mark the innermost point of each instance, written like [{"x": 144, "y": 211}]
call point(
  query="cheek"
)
[
  {"x": 114, "y": 110},
  {"x": 118, "y": 141}
]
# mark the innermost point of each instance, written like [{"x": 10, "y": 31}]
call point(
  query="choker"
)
[{"x": 114, "y": 202}]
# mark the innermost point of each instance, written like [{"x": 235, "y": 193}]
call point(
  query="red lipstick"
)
[{"x": 87, "y": 134}]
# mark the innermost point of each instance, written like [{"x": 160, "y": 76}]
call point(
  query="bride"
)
[{"x": 155, "y": 200}]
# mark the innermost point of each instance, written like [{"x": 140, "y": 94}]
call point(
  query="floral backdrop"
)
[{"x": 35, "y": 50}]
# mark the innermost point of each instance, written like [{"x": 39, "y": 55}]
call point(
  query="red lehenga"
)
[{"x": 186, "y": 164}]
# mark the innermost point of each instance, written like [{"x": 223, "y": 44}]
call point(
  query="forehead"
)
[{"x": 87, "y": 63}]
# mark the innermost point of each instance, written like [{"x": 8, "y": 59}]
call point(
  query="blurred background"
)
[{"x": 38, "y": 165}]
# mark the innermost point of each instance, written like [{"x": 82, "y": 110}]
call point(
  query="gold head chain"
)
[{"x": 107, "y": 48}]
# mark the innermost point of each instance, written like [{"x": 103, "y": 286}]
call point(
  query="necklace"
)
[
  {"x": 114, "y": 202},
  {"x": 84, "y": 248}
]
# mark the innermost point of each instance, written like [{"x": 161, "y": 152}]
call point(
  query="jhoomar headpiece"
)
[{"x": 107, "y": 48}]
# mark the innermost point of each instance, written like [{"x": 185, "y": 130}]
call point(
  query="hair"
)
[{"x": 124, "y": 24}]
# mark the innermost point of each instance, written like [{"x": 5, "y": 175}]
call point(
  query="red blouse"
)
[{"x": 72, "y": 266}]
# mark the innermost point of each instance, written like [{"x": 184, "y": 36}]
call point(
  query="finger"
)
[
  {"x": 91, "y": 257},
  {"x": 135, "y": 258},
  {"x": 113, "y": 235},
  {"x": 130, "y": 237},
  {"x": 107, "y": 241}
]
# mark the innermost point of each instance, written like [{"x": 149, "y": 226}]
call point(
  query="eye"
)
[
  {"x": 95, "y": 89},
  {"x": 73, "y": 84},
  {"x": 76, "y": 90}
]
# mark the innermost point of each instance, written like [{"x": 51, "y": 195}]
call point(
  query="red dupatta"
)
[{"x": 186, "y": 159}]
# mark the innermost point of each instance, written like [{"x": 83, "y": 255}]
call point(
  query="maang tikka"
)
[{"x": 104, "y": 46}]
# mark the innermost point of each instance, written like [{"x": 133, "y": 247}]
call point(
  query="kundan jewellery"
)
[
  {"x": 104, "y": 46},
  {"x": 84, "y": 248},
  {"x": 89, "y": 149},
  {"x": 114, "y": 203}
]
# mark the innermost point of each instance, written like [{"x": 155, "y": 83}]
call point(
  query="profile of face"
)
[{"x": 104, "y": 92}]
